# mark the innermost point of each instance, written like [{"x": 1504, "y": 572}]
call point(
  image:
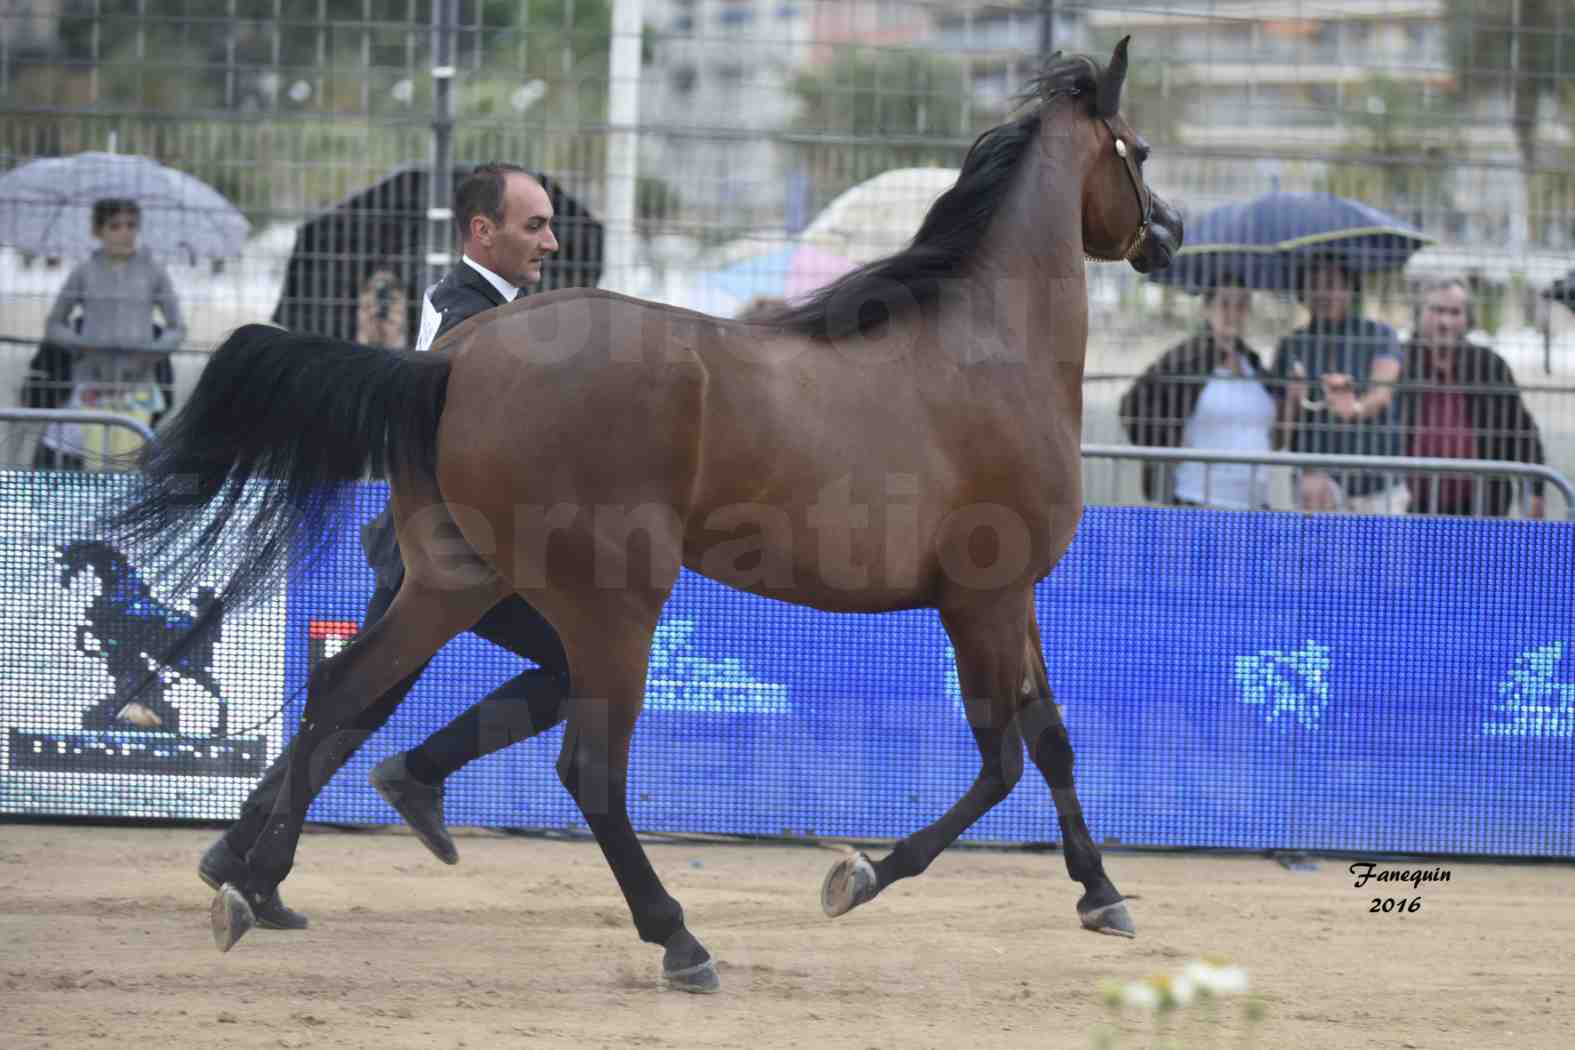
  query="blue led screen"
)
[
  {"x": 1231, "y": 680},
  {"x": 1238, "y": 680}
]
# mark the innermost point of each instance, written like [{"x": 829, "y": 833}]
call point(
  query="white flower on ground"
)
[
  {"x": 1211, "y": 979},
  {"x": 1199, "y": 979},
  {"x": 1140, "y": 995}
]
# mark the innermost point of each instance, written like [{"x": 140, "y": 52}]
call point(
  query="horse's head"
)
[{"x": 1123, "y": 218}]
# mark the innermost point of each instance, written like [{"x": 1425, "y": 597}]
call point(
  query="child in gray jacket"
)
[{"x": 117, "y": 344}]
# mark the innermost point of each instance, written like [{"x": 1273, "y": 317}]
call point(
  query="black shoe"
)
[
  {"x": 420, "y": 804},
  {"x": 219, "y": 865}
]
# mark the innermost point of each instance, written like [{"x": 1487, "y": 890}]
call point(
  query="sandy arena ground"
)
[{"x": 104, "y": 942}]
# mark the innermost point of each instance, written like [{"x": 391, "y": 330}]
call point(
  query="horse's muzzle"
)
[{"x": 1162, "y": 241}]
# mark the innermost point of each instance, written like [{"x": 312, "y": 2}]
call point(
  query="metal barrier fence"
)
[
  {"x": 30, "y": 400},
  {"x": 90, "y": 445},
  {"x": 1400, "y": 470}
]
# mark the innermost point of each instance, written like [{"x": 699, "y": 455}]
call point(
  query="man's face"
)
[
  {"x": 1328, "y": 293},
  {"x": 1443, "y": 321},
  {"x": 514, "y": 248}
]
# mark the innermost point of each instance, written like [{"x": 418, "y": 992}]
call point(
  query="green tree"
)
[
  {"x": 1525, "y": 46},
  {"x": 290, "y": 108},
  {"x": 870, "y": 110},
  {"x": 887, "y": 94},
  {"x": 1398, "y": 154}
]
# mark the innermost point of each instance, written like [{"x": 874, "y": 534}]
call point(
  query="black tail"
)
[{"x": 279, "y": 425}]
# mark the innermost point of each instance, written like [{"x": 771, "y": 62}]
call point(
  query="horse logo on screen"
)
[{"x": 142, "y": 641}]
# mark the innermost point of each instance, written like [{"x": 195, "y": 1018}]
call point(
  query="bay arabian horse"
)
[{"x": 907, "y": 438}]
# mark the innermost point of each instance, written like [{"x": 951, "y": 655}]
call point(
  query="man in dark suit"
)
[{"x": 505, "y": 226}]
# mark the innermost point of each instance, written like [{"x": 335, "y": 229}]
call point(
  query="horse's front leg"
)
[
  {"x": 989, "y": 645},
  {"x": 1101, "y": 907},
  {"x": 608, "y": 656}
]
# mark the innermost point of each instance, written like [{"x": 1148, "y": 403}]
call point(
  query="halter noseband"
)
[{"x": 1145, "y": 198}]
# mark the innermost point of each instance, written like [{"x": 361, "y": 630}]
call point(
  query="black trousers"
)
[{"x": 525, "y": 705}]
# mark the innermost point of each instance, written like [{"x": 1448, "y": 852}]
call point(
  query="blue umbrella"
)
[{"x": 1265, "y": 242}]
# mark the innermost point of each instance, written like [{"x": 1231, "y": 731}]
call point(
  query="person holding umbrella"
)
[
  {"x": 118, "y": 342},
  {"x": 1353, "y": 363}
]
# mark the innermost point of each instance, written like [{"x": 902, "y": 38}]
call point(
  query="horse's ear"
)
[{"x": 1114, "y": 79}]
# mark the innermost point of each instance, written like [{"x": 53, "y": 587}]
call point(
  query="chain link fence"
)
[{"x": 747, "y": 149}]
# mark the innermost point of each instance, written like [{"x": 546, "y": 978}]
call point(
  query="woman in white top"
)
[{"x": 1209, "y": 392}]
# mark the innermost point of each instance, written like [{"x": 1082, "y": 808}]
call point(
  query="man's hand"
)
[{"x": 1339, "y": 390}]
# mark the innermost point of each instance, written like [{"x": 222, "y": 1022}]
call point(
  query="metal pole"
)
[
  {"x": 1046, "y": 27},
  {"x": 623, "y": 141},
  {"x": 1547, "y": 340},
  {"x": 71, "y": 415},
  {"x": 440, "y": 180}
]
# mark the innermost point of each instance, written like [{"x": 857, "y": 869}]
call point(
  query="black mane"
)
[{"x": 954, "y": 225}]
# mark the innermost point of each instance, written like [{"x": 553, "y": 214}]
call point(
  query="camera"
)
[{"x": 384, "y": 287}]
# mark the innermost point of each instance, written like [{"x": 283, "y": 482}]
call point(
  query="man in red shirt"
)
[{"x": 1459, "y": 400}]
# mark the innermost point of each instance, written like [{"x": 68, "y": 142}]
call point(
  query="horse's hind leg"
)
[
  {"x": 418, "y": 623},
  {"x": 1039, "y": 719},
  {"x": 989, "y": 647}
]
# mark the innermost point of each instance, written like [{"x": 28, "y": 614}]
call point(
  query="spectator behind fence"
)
[
  {"x": 1460, "y": 401},
  {"x": 380, "y": 312},
  {"x": 1345, "y": 415},
  {"x": 1208, "y": 392},
  {"x": 110, "y": 348}
]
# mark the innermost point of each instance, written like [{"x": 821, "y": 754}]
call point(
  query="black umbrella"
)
[
  {"x": 383, "y": 227},
  {"x": 1267, "y": 242},
  {"x": 1563, "y": 290}
]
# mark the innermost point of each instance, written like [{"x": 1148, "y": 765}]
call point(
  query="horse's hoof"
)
[
  {"x": 1113, "y": 919},
  {"x": 700, "y": 979},
  {"x": 231, "y": 916},
  {"x": 850, "y": 882}
]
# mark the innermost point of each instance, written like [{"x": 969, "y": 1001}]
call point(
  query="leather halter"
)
[{"x": 1144, "y": 196}]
